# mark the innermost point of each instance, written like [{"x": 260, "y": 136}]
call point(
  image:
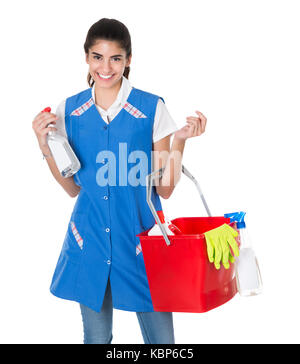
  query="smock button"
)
[
  {"x": 104, "y": 127},
  {"x": 108, "y": 261},
  {"x": 107, "y": 230},
  {"x": 105, "y": 197}
]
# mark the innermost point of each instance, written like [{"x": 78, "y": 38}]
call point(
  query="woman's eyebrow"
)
[{"x": 116, "y": 55}]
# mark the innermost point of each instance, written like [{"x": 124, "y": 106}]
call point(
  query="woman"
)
[{"x": 117, "y": 132}]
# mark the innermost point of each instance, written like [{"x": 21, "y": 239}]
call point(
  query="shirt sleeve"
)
[
  {"x": 60, "y": 123},
  {"x": 163, "y": 122}
]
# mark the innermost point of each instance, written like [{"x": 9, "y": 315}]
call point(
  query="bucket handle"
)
[{"x": 149, "y": 184}]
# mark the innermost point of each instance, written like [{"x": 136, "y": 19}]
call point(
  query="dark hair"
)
[{"x": 108, "y": 29}]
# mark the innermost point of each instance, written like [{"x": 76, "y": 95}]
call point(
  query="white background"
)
[{"x": 235, "y": 61}]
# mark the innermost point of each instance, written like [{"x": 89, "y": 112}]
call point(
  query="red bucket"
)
[{"x": 180, "y": 276}]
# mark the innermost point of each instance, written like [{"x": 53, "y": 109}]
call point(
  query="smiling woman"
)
[
  {"x": 107, "y": 63},
  {"x": 110, "y": 30},
  {"x": 104, "y": 65},
  {"x": 122, "y": 132}
]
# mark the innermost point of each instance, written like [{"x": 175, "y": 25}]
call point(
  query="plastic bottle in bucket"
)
[
  {"x": 248, "y": 277},
  {"x": 65, "y": 158},
  {"x": 171, "y": 229}
]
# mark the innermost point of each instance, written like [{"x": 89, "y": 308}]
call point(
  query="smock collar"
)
[{"x": 120, "y": 99}]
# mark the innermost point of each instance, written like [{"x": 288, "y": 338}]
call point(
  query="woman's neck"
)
[{"x": 105, "y": 97}]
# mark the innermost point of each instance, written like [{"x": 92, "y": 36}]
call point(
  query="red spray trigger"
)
[{"x": 47, "y": 109}]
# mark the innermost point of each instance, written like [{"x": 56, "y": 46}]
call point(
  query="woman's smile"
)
[
  {"x": 104, "y": 77},
  {"x": 107, "y": 62}
]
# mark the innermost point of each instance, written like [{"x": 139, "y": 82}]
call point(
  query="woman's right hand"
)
[{"x": 41, "y": 128}]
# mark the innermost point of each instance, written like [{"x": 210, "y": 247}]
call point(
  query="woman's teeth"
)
[{"x": 105, "y": 77}]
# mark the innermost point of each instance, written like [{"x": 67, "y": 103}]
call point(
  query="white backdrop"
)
[{"x": 235, "y": 61}]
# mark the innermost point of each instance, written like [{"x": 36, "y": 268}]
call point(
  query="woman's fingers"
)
[
  {"x": 45, "y": 123},
  {"x": 43, "y": 120},
  {"x": 44, "y": 116},
  {"x": 46, "y": 130},
  {"x": 193, "y": 128},
  {"x": 41, "y": 127},
  {"x": 203, "y": 120},
  {"x": 195, "y": 122}
]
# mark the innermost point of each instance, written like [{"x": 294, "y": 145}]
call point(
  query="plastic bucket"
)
[{"x": 180, "y": 276}]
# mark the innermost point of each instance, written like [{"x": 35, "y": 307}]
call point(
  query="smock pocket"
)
[
  {"x": 140, "y": 265},
  {"x": 76, "y": 235},
  {"x": 78, "y": 226},
  {"x": 74, "y": 243}
]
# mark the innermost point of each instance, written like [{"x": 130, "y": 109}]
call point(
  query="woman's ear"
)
[
  {"x": 87, "y": 58},
  {"x": 128, "y": 61}
]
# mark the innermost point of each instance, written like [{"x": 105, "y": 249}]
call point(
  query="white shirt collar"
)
[{"x": 121, "y": 98}]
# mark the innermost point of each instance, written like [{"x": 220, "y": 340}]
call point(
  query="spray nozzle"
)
[
  {"x": 238, "y": 217},
  {"x": 47, "y": 109}
]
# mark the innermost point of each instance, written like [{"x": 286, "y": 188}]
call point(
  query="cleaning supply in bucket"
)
[
  {"x": 180, "y": 276},
  {"x": 248, "y": 277},
  {"x": 171, "y": 229},
  {"x": 221, "y": 244},
  {"x": 64, "y": 157}
]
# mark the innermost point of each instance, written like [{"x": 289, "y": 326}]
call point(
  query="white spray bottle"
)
[
  {"x": 171, "y": 229},
  {"x": 248, "y": 277},
  {"x": 63, "y": 155}
]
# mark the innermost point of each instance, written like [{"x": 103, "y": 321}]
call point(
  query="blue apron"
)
[{"x": 111, "y": 208}]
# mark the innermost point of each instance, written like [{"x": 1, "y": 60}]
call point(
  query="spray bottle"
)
[
  {"x": 248, "y": 277},
  {"x": 171, "y": 229},
  {"x": 64, "y": 157}
]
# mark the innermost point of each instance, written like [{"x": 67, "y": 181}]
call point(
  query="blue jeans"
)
[{"x": 156, "y": 327}]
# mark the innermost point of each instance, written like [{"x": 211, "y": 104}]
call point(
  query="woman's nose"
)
[{"x": 106, "y": 66}]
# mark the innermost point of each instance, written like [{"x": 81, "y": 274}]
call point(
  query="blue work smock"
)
[{"x": 111, "y": 208}]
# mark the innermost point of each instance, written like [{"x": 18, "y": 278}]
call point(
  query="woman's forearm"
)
[
  {"x": 173, "y": 166},
  {"x": 172, "y": 172},
  {"x": 68, "y": 183}
]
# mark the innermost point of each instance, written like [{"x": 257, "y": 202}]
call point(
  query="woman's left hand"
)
[{"x": 195, "y": 127}]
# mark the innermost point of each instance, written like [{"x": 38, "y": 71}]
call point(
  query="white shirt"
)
[{"x": 163, "y": 123}]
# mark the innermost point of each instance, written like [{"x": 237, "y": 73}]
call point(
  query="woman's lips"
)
[{"x": 103, "y": 77}]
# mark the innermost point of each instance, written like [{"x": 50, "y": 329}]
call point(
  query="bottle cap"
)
[
  {"x": 47, "y": 109},
  {"x": 161, "y": 216}
]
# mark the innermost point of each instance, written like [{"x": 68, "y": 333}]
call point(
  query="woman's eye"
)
[{"x": 116, "y": 59}]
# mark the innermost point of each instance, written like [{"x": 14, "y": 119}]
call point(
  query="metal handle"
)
[
  {"x": 190, "y": 176},
  {"x": 149, "y": 184}
]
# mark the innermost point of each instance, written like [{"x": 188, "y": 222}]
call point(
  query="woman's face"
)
[{"x": 107, "y": 62}]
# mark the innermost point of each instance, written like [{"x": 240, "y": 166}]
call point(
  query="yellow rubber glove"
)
[{"x": 218, "y": 243}]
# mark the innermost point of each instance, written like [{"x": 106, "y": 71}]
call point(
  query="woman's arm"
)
[
  {"x": 41, "y": 128},
  {"x": 68, "y": 183},
  {"x": 171, "y": 158}
]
